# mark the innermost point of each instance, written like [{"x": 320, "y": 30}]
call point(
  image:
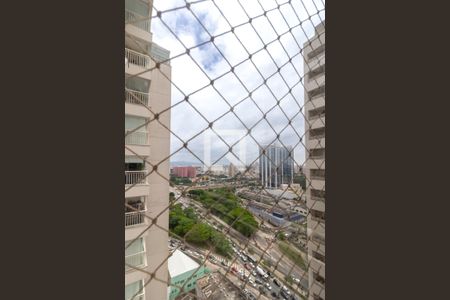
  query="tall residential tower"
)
[
  {"x": 314, "y": 56},
  {"x": 276, "y": 166},
  {"x": 146, "y": 145}
]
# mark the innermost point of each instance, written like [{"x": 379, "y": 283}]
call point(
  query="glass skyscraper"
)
[{"x": 276, "y": 165}]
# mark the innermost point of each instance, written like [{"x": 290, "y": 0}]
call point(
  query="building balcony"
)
[
  {"x": 136, "y": 97},
  {"x": 134, "y": 218},
  {"x": 136, "y": 138},
  {"x": 136, "y": 260},
  {"x": 315, "y": 143},
  {"x": 315, "y": 102},
  {"x": 317, "y": 174},
  {"x": 136, "y": 177},
  {"x": 137, "y": 59},
  {"x": 138, "y": 26},
  {"x": 317, "y": 123},
  {"x": 315, "y": 82},
  {"x": 135, "y": 290}
]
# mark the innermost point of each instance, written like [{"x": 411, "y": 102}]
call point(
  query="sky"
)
[{"x": 183, "y": 28}]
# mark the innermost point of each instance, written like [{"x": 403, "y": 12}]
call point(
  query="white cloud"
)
[{"x": 192, "y": 73}]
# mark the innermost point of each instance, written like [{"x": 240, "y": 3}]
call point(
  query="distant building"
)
[
  {"x": 276, "y": 217},
  {"x": 199, "y": 169},
  {"x": 215, "y": 170},
  {"x": 232, "y": 170},
  {"x": 183, "y": 272},
  {"x": 189, "y": 172},
  {"x": 276, "y": 166}
]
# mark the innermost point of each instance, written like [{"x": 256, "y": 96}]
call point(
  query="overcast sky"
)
[{"x": 190, "y": 73}]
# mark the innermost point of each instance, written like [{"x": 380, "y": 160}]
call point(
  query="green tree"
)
[
  {"x": 221, "y": 244},
  {"x": 190, "y": 213},
  {"x": 199, "y": 233},
  {"x": 184, "y": 225}
]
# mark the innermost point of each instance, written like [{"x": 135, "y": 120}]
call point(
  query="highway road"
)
[{"x": 260, "y": 242}]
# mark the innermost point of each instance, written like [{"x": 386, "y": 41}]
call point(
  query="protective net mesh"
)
[{"x": 225, "y": 149}]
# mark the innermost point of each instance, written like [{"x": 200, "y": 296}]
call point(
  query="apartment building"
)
[
  {"x": 314, "y": 68},
  {"x": 189, "y": 172},
  {"x": 276, "y": 166},
  {"x": 146, "y": 144}
]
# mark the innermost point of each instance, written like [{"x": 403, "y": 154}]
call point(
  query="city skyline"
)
[{"x": 211, "y": 102}]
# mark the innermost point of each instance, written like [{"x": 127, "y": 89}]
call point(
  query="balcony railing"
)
[
  {"x": 317, "y": 133},
  {"x": 136, "y": 260},
  {"x": 136, "y": 177},
  {"x": 134, "y": 218},
  {"x": 316, "y": 113},
  {"x": 136, "y": 58},
  {"x": 131, "y": 17},
  {"x": 319, "y": 50},
  {"x": 318, "y": 153},
  {"x": 136, "y": 137},
  {"x": 136, "y": 97},
  {"x": 317, "y": 174}
]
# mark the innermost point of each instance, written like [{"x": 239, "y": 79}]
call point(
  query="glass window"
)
[{"x": 135, "y": 288}]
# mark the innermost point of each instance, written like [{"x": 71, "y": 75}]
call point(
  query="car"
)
[
  {"x": 286, "y": 290},
  {"x": 284, "y": 295},
  {"x": 268, "y": 286},
  {"x": 276, "y": 282},
  {"x": 258, "y": 281},
  {"x": 254, "y": 273},
  {"x": 275, "y": 295},
  {"x": 250, "y": 296},
  {"x": 262, "y": 290},
  {"x": 247, "y": 266}
]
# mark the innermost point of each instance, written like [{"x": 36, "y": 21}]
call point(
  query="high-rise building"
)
[
  {"x": 232, "y": 170},
  {"x": 276, "y": 166},
  {"x": 146, "y": 192},
  {"x": 189, "y": 172},
  {"x": 314, "y": 62}
]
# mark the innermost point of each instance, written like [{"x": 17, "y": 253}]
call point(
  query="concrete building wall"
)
[
  {"x": 157, "y": 96},
  {"x": 314, "y": 68},
  {"x": 186, "y": 280}
]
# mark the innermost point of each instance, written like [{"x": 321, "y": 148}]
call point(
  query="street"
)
[{"x": 260, "y": 242}]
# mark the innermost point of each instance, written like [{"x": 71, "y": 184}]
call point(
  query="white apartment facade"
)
[
  {"x": 146, "y": 145},
  {"x": 314, "y": 68}
]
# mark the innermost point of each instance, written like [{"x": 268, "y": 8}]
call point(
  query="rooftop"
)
[{"x": 180, "y": 263}]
